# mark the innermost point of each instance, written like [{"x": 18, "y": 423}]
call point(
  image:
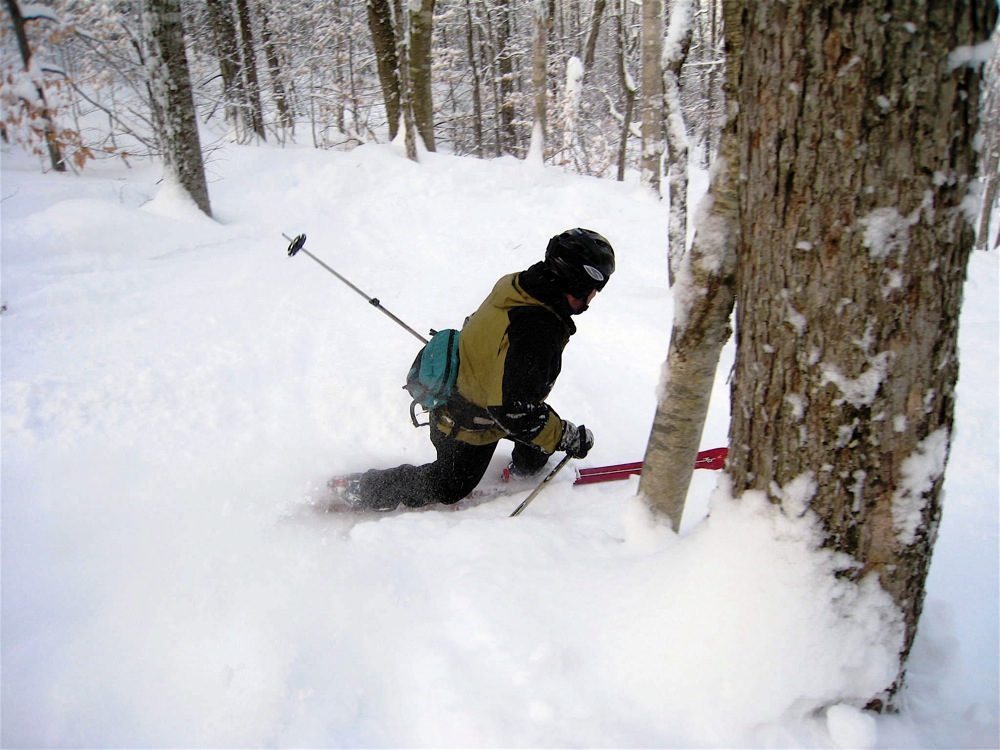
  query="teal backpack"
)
[{"x": 432, "y": 376}]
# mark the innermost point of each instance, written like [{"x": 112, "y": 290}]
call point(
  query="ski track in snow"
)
[{"x": 176, "y": 391}]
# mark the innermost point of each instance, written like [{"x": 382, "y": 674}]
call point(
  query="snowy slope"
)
[{"x": 176, "y": 389}]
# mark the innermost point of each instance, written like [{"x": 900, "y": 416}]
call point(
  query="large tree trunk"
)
[
  {"x": 421, "y": 19},
  {"x": 856, "y": 124},
  {"x": 173, "y": 105}
]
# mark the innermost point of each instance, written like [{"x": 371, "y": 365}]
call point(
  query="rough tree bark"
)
[
  {"x": 173, "y": 105},
  {"x": 856, "y": 124}
]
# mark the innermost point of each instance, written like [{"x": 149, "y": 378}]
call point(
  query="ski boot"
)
[{"x": 347, "y": 491}]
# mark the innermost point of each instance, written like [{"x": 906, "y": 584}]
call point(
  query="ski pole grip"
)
[{"x": 295, "y": 245}]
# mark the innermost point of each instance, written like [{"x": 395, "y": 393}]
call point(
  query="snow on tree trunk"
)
[
  {"x": 856, "y": 123},
  {"x": 173, "y": 105},
  {"x": 675, "y": 51},
  {"x": 628, "y": 87},
  {"x": 703, "y": 302},
  {"x": 571, "y": 111}
]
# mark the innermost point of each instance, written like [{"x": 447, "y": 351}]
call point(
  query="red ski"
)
[{"x": 714, "y": 458}]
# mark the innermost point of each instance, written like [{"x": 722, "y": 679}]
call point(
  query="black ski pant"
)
[{"x": 456, "y": 472}]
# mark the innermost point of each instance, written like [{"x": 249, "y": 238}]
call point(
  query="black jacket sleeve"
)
[{"x": 536, "y": 338}]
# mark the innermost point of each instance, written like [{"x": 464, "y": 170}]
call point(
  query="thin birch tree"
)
[
  {"x": 652, "y": 94},
  {"x": 704, "y": 296},
  {"x": 628, "y": 86},
  {"x": 675, "y": 52},
  {"x": 541, "y": 25},
  {"x": 420, "y": 17}
]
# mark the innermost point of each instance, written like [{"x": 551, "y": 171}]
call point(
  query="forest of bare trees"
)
[{"x": 466, "y": 77}]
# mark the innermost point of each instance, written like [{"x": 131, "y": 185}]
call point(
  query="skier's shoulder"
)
[
  {"x": 543, "y": 298},
  {"x": 537, "y": 320},
  {"x": 527, "y": 302}
]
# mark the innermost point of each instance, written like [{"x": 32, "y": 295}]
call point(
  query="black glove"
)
[{"x": 576, "y": 441}]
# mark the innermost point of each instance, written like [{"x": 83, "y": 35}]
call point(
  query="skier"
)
[{"x": 510, "y": 354}]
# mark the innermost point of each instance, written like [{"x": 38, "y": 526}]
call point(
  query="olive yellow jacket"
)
[{"x": 510, "y": 354}]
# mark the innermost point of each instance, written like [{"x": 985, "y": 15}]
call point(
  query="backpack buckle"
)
[{"x": 413, "y": 415}]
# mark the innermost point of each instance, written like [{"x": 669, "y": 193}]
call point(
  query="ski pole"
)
[
  {"x": 541, "y": 486},
  {"x": 298, "y": 244}
]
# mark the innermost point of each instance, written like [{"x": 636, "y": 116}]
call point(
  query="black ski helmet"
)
[{"x": 581, "y": 260}]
